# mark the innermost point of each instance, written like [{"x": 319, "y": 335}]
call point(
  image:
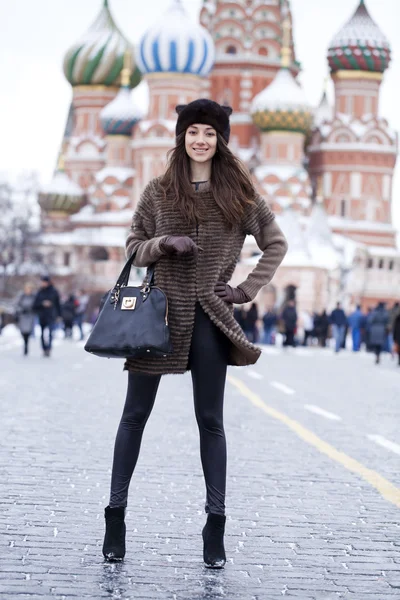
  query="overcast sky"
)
[{"x": 35, "y": 34}]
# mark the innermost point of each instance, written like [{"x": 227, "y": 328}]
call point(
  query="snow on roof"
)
[
  {"x": 359, "y": 127},
  {"x": 383, "y": 251},
  {"x": 348, "y": 224},
  {"x": 120, "y": 173},
  {"x": 245, "y": 154},
  {"x": 324, "y": 111},
  {"x": 122, "y": 217},
  {"x": 147, "y": 124},
  {"x": 88, "y": 236},
  {"x": 62, "y": 185},
  {"x": 284, "y": 93},
  {"x": 283, "y": 172}
]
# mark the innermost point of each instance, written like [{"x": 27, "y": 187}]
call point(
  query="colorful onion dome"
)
[
  {"x": 61, "y": 195},
  {"x": 176, "y": 45},
  {"x": 98, "y": 57},
  {"x": 119, "y": 116},
  {"x": 282, "y": 106},
  {"x": 360, "y": 45}
]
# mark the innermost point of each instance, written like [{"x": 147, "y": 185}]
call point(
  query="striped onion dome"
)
[
  {"x": 176, "y": 45},
  {"x": 61, "y": 194},
  {"x": 282, "y": 106},
  {"x": 360, "y": 45},
  {"x": 120, "y": 116},
  {"x": 98, "y": 57}
]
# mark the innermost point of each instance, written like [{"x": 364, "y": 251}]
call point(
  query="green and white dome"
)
[
  {"x": 282, "y": 106},
  {"x": 98, "y": 57}
]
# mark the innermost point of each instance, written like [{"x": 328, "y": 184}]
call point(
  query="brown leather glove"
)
[
  {"x": 179, "y": 244},
  {"x": 230, "y": 294}
]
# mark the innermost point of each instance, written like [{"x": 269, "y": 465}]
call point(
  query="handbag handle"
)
[{"x": 126, "y": 271}]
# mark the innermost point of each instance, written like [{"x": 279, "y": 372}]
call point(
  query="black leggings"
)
[{"x": 208, "y": 363}]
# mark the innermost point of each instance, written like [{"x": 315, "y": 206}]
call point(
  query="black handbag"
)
[{"x": 133, "y": 321}]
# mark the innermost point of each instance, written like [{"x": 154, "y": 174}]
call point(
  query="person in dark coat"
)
[
  {"x": 289, "y": 318},
  {"x": 378, "y": 329},
  {"x": 270, "y": 320},
  {"x": 396, "y": 334},
  {"x": 68, "y": 312},
  {"x": 26, "y": 315},
  {"x": 338, "y": 321},
  {"x": 251, "y": 328},
  {"x": 321, "y": 328},
  {"x": 47, "y": 306},
  {"x": 240, "y": 315}
]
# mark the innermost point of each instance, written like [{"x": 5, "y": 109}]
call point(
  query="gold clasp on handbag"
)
[{"x": 128, "y": 303}]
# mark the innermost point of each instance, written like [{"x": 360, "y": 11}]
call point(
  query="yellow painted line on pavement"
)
[{"x": 389, "y": 491}]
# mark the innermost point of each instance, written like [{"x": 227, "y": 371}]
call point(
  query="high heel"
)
[
  {"x": 213, "y": 538},
  {"x": 114, "y": 539}
]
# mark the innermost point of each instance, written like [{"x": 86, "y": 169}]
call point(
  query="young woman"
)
[{"x": 192, "y": 223}]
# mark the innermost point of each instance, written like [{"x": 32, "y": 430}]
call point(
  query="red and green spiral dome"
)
[{"x": 360, "y": 45}]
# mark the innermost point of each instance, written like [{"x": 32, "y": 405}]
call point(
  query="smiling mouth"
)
[{"x": 201, "y": 150}]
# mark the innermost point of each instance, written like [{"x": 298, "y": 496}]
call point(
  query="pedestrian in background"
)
[
  {"x": 240, "y": 315},
  {"x": 308, "y": 326},
  {"x": 396, "y": 335},
  {"x": 289, "y": 318},
  {"x": 270, "y": 320},
  {"x": 191, "y": 224},
  {"x": 68, "y": 315},
  {"x": 26, "y": 314},
  {"x": 321, "y": 327},
  {"x": 357, "y": 324},
  {"x": 338, "y": 321},
  {"x": 251, "y": 327},
  {"x": 47, "y": 306},
  {"x": 81, "y": 304},
  {"x": 378, "y": 330},
  {"x": 393, "y": 313}
]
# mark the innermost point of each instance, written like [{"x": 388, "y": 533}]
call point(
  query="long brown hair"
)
[{"x": 230, "y": 183}]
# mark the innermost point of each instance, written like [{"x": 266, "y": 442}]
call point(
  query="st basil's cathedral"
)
[{"x": 326, "y": 171}]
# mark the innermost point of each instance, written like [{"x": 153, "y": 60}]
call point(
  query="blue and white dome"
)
[{"x": 176, "y": 45}]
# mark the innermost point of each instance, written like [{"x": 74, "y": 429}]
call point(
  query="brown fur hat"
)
[{"x": 206, "y": 112}]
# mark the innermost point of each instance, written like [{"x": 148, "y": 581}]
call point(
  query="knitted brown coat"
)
[{"x": 188, "y": 279}]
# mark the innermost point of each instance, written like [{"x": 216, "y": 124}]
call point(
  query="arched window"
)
[
  {"x": 263, "y": 51},
  {"x": 98, "y": 253},
  {"x": 231, "y": 50}
]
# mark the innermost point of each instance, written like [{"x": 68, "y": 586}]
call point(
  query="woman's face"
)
[{"x": 200, "y": 142}]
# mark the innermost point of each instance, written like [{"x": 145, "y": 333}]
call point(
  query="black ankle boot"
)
[
  {"x": 213, "y": 538},
  {"x": 114, "y": 539}
]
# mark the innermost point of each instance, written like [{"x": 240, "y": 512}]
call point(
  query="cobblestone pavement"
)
[{"x": 301, "y": 523}]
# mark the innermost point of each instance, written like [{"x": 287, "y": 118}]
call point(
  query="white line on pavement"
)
[
  {"x": 379, "y": 439},
  {"x": 254, "y": 374},
  {"x": 320, "y": 411},
  {"x": 282, "y": 387}
]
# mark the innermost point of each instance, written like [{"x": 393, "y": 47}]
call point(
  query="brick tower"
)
[
  {"x": 248, "y": 38},
  {"x": 353, "y": 154}
]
